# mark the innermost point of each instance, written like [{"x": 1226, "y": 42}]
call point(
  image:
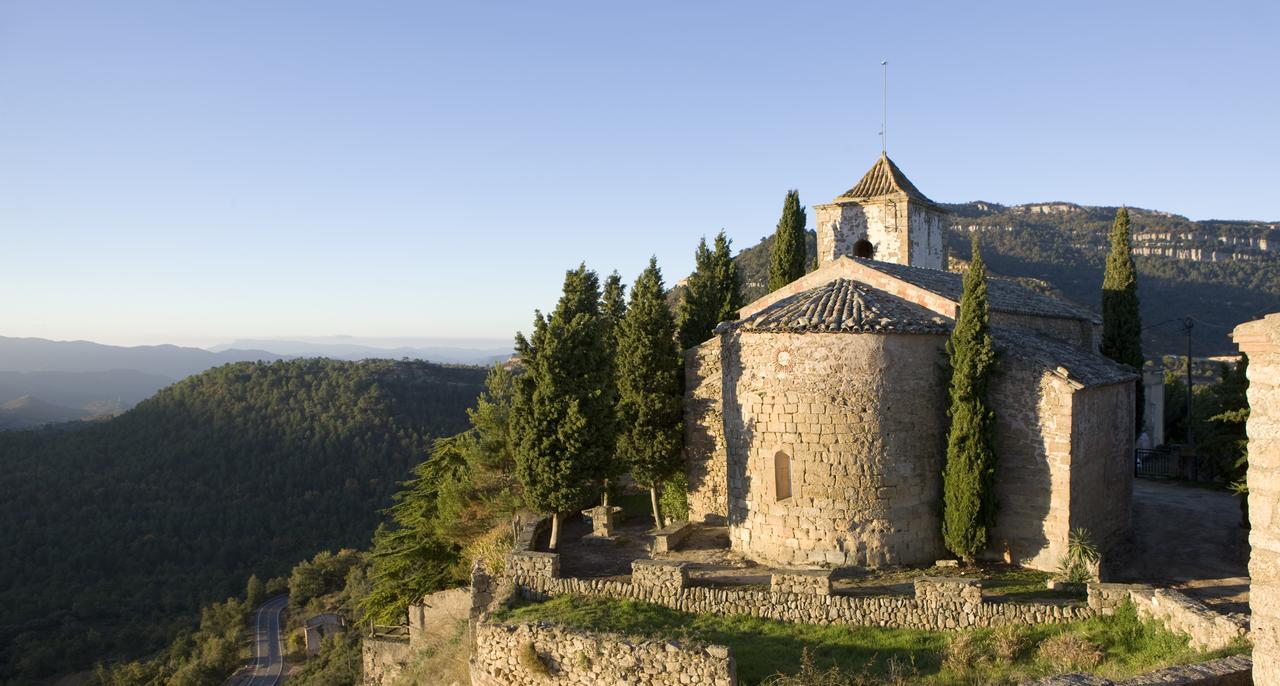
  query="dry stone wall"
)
[
  {"x": 535, "y": 654},
  {"x": 1207, "y": 629},
  {"x": 1260, "y": 340},
  {"x": 1228, "y": 671},
  {"x": 382, "y": 659},
  {"x": 859, "y": 421},
  {"x": 946, "y": 604}
]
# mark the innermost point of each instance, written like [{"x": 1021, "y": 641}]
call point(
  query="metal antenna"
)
[{"x": 884, "y": 114}]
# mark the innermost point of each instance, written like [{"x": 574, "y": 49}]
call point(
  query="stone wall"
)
[
  {"x": 849, "y": 413},
  {"x": 534, "y": 654},
  {"x": 1033, "y": 469},
  {"x": 943, "y": 604},
  {"x": 382, "y": 659},
  {"x": 532, "y": 563},
  {"x": 805, "y": 582},
  {"x": 438, "y": 613},
  {"x": 901, "y": 230},
  {"x": 704, "y": 446},
  {"x": 1227, "y": 671},
  {"x": 1260, "y": 340},
  {"x": 859, "y": 419},
  {"x": 1102, "y": 462},
  {"x": 1207, "y": 629}
]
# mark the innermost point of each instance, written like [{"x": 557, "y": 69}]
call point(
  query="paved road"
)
[
  {"x": 268, "y": 655},
  {"x": 1190, "y": 538}
]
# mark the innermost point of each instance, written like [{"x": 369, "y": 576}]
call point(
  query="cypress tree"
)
[
  {"x": 696, "y": 315},
  {"x": 562, "y": 408},
  {"x": 725, "y": 271},
  {"x": 968, "y": 498},
  {"x": 1121, "y": 320},
  {"x": 613, "y": 307},
  {"x": 787, "y": 258},
  {"x": 650, "y": 408}
]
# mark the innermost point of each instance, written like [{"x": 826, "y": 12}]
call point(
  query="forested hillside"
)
[
  {"x": 116, "y": 533},
  {"x": 1221, "y": 273}
]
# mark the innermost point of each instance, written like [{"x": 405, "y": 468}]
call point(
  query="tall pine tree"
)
[
  {"x": 725, "y": 276},
  {"x": 787, "y": 259},
  {"x": 696, "y": 314},
  {"x": 968, "y": 477},
  {"x": 1121, "y": 321},
  {"x": 650, "y": 408},
  {"x": 563, "y": 414},
  {"x": 712, "y": 293}
]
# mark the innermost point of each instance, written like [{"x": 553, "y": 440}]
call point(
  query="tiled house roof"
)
[
  {"x": 845, "y": 306},
  {"x": 884, "y": 178},
  {"x": 1078, "y": 366},
  {"x": 1003, "y": 295}
]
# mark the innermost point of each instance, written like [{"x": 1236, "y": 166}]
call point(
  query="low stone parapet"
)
[
  {"x": 659, "y": 577},
  {"x": 1105, "y": 598},
  {"x": 887, "y": 610},
  {"x": 525, "y": 565},
  {"x": 948, "y": 590},
  {"x": 527, "y": 535},
  {"x": 535, "y": 654},
  {"x": 1208, "y": 630},
  {"x": 803, "y": 581}
]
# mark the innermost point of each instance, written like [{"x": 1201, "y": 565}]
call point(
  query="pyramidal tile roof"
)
[
  {"x": 845, "y": 306},
  {"x": 884, "y": 178}
]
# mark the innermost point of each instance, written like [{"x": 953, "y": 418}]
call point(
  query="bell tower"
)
[{"x": 884, "y": 217}]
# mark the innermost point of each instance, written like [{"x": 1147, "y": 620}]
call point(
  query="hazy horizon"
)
[{"x": 196, "y": 174}]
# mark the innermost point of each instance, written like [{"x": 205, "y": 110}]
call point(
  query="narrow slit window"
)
[{"x": 782, "y": 475}]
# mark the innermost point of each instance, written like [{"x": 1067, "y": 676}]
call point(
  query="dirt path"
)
[{"x": 1189, "y": 538}]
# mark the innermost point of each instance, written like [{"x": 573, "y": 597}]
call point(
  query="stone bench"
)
[{"x": 669, "y": 537}]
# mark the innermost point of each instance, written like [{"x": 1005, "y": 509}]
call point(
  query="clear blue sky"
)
[{"x": 194, "y": 172}]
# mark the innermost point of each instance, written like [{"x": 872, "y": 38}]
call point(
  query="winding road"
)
[{"x": 268, "y": 653}]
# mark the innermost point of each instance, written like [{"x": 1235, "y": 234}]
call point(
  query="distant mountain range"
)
[
  {"x": 1220, "y": 273},
  {"x": 44, "y": 381},
  {"x": 443, "y": 351}
]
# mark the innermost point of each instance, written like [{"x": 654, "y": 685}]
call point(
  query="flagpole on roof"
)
[{"x": 884, "y": 104}]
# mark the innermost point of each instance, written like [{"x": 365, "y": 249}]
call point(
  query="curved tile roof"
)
[
  {"x": 1003, "y": 295},
  {"x": 845, "y": 306},
  {"x": 884, "y": 178}
]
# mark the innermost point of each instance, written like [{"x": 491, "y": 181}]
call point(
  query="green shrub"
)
[
  {"x": 1081, "y": 560},
  {"x": 674, "y": 502}
]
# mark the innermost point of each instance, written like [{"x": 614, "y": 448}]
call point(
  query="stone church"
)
[{"x": 816, "y": 423}]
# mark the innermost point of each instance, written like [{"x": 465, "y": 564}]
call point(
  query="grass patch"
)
[
  {"x": 762, "y": 648},
  {"x": 635, "y": 506}
]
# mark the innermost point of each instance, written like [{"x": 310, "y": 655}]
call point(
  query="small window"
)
[
  {"x": 782, "y": 475},
  {"x": 864, "y": 249}
]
